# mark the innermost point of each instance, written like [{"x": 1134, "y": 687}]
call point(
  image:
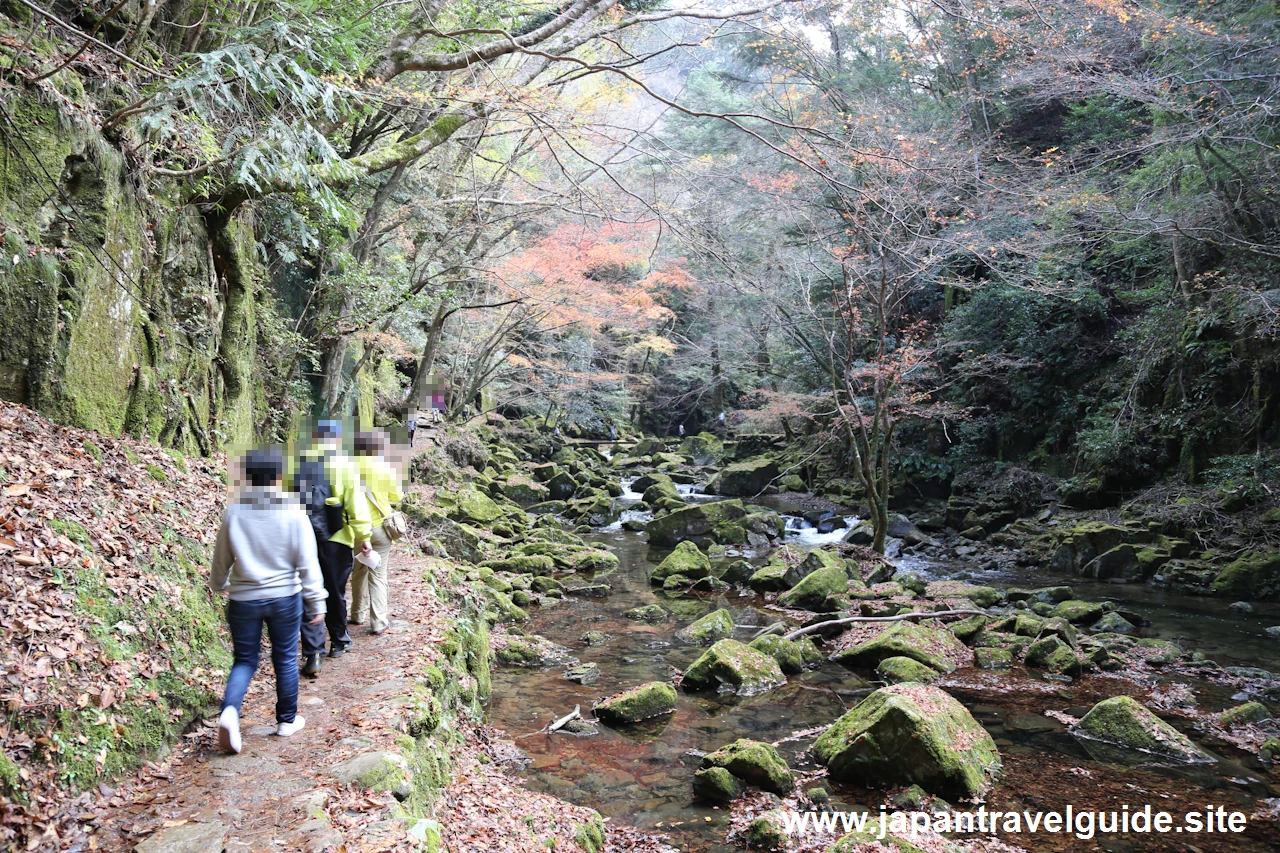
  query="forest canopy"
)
[{"x": 927, "y": 234}]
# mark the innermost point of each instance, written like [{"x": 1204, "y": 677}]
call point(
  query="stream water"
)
[{"x": 641, "y": 775}]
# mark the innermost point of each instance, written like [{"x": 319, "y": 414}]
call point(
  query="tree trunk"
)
[
  {"x": 434, "y": 330},
  {"x": 879, "y": 520}
]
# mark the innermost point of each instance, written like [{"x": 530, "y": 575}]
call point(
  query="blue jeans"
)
[{"x": 283, "y": 618}]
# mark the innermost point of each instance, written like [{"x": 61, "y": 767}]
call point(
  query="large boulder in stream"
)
[
  {"x": 714, "y": 626},
  {"x": 792, "y": 655},
  {"x": 643, "y": 702},
  {"x": 810, "y": 563},
  {"x": 755, "y": 763},
  {"x": 744, "y": 479},
  {"x": 899, "y": 670},
  {"x": 717, "y": 521},
  {"x": 561, "y": 486},
  {"x": 731, "y": 666},
  {"x": 1256, "y": 575},
  {"x": 704, "y": 448},
  {"x": 818, "y": 591},
  {"x": 1079, "y": 612},
  {"x": 659, "y": 489},
  {"x": 933, "y": 647},
  {"x": 911, "y": 733},
  {"x": 686, "y": 560},
  {"x": 1123, "y": 723}
]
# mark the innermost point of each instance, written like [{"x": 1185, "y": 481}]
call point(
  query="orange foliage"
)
[{"x": 594, "y": 279}]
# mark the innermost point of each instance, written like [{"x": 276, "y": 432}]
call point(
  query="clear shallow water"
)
[{"x": 642, "y": 775}]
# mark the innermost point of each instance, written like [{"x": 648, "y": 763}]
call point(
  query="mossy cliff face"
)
[{"x": 123, "y": 312}]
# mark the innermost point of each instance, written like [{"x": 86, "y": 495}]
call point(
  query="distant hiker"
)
[
  {"x": 720, "y": 419},
  {"x": 556, "y": 432},
  {"x": 381, "y": 486},
  {"x": 613, "y": 432},
  {"x": 329, "y": 484},
  {"x": 437, "y": 406},
  {"x": 682, "y": 430},
  {"x": 265, "y": 558},
  {"x": 411, "y": 424}
]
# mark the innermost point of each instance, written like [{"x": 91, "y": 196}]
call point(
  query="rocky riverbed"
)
[{"x": 620, "y": 585}]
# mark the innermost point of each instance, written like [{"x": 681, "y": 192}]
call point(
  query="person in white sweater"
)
[{"x": 265, "y": 559}]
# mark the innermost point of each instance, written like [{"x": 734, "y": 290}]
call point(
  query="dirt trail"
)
[{"x": 278, "y": 793}]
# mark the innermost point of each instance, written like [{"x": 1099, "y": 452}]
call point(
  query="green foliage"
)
[
  {"x": 1103, "y": 121},
  {"x": 1243, "y": 480}
]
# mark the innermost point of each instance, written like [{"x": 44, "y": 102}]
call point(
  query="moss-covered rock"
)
[
  {"x": 1158, "y": 652},
  {"x": 755, "y": 763},
  {"x": 523, "y": 490},
  {"x": 817, "y": 591},
  {"x": 561, "y": 486},
  {"x": 527, "y": 564},
  {"x": 983, "y": 596},
  {"x": 1079, "y": 612},
  {"x": 1255, "y": 576},
  {"x": 704, "y": 448},
  {"x": 1113, "y": 623},
  {"x": 686, "y": 560},
  {"x": 744, "y": 479},
  {"x": 1053, "y": 654},
  {"x": 591, "y": 560},
  {"x": 1021, "y": 624},
  {"x": 792, "y": 656},
  {"x": 812, "y": 562},
  {"x": 768, "y": 831},
  {"x": 871, "y": 838},
  {"x": 1123, "y": 722},
  {"x": 590, "y": 835},
  {"x": 897, "y": 670},
  {"x": 734, "y": 667},
  {"x": 660, "y": 489},
  {"x": 1062, "y": 629},
  {"x": 769, "y": 578},
  {"x": 930, "y": 646},
  {"x": 969, "y": 629},
  {"x": 1249, "y": 712},
  {"x": 548, "y": 508},
  {"x": 714, "y": 521},
  {"x": 647, "y": 613},
  {"x": 911, "y": 733},
  {"x": 1118, "y": 563},
  {"x": 988, "y": 658},
  {"x": 643, "y": 702},
  {"x": 473, "y": 507},
  {"x": 717, "y": 785},
  {"x": 716, "y": 625},
  {"x": 530, "y": 651}
]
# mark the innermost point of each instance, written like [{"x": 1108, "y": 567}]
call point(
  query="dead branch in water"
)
[{"x": 901, "y": 617}]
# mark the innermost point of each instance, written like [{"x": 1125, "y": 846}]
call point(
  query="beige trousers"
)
[{"x": 369, "y": 586}]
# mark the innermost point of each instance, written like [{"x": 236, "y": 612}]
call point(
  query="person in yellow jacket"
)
[
  {"x": 328, "y": 483},
  {"x": 381, "y": 486}
]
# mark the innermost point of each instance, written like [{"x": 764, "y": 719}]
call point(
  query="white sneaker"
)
[
  {"x": 229, "y": 730},
  {"x": 286, "y": 729}
]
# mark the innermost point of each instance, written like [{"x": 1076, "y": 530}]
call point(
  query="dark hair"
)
[
  {"x": 263, "y": 467},
  {"x": 367, "y": 444}
]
